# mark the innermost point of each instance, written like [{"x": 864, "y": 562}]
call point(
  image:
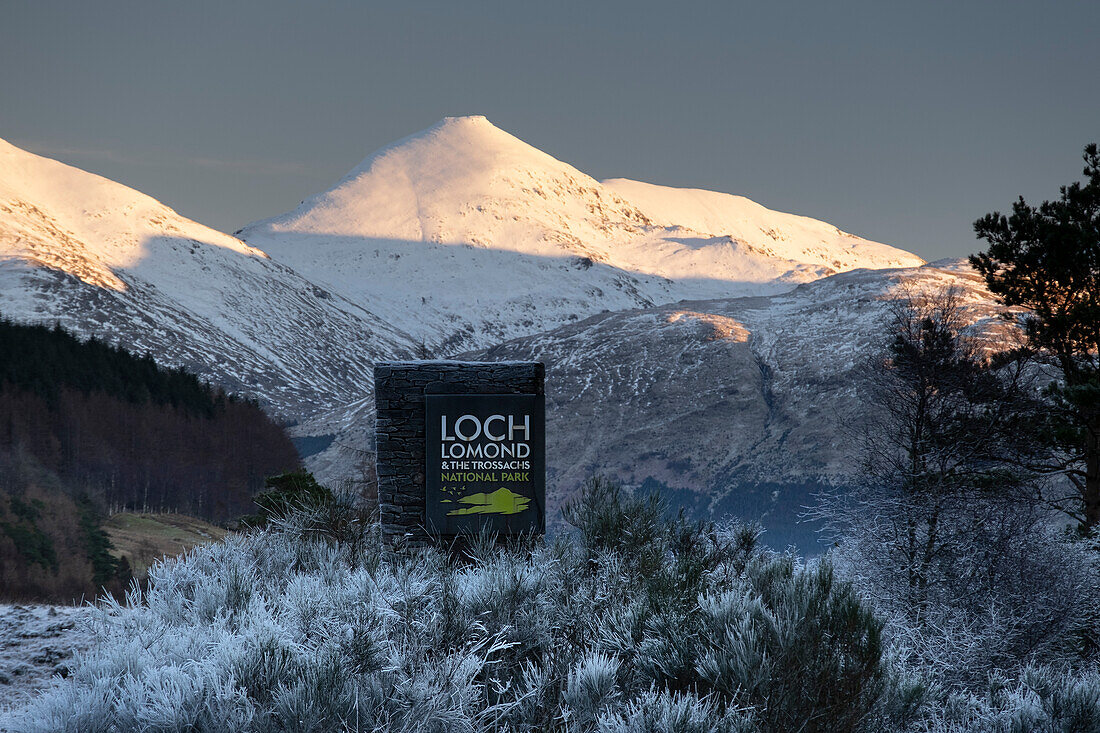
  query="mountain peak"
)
[
  {"x": 454, "y": 143},
  {"x": 465, "y": 120},
  {"x": 432, "y": 185}
]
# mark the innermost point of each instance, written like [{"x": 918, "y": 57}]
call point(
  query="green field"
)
[{"x": 145, "y": 538}]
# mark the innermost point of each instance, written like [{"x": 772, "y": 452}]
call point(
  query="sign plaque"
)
[{"x": 485, "y": 463}]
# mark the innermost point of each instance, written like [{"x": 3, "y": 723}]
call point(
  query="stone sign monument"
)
[{"x": 461, "y": 448}]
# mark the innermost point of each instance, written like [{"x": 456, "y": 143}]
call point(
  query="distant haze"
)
[{"x": 899, "y": 122}]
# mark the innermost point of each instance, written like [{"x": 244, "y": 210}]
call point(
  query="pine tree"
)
[{"x": 1047, "y": 260}]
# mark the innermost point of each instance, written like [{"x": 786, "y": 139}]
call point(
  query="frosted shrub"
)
[
  {"x": 637, "y": 623},
  {"x": 999, "y": 601},
  {"x": 795, "y": 646},
  {"x": 73, "y": 708},
  {"x": 320, "y": 698},
  {"x": 267, "y": 664},
  {"x": 664, "y": 712},
  {"x": 1040, "y": 699},
  {"x": 591, "y": 688}
]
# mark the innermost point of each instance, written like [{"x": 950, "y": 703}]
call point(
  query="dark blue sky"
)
[{"x": 902, "y": 122}]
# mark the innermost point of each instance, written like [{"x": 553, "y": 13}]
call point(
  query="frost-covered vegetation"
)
[{"x": 633, "y": 623}]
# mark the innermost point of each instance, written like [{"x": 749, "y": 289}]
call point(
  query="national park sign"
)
[
  {"x": 486, "y": 463},
  {"x": 460, "y": 449}
]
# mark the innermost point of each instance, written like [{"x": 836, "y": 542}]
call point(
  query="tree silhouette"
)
[{"x": 1047, "y": 260}]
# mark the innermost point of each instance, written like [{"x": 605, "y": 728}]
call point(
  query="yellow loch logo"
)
[{"x": 501, "y": 501}]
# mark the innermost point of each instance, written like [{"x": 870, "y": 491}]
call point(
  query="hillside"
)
[
  {"x": 84, "y": 428},
  {"x": 743, "y": 405}
]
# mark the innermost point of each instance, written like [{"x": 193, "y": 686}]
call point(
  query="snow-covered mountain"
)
[
  {"x": 102, "y": 259},
  {"x": 463, "y": 236}
]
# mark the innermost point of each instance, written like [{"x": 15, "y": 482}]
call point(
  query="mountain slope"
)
[
  {"x": 105, "y": 260},
  {"x": 744, "y": 405},
  {"x": 728, "y": 401},
  {"x": 464, "y": 235}
]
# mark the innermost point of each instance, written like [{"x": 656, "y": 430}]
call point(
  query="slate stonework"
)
[{"x": 399, "y": 389}]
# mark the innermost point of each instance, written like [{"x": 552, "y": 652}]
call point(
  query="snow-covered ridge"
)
[
  {"x": 114, "y": 219},
  {"x": 788, "y": 236},
  {"x": 103, "y": 259}
]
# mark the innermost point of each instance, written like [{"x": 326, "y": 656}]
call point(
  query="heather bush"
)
[
  {"x": 1037, "y": 699},
  {"x": 633, "y": 623},
  {"x": 664, "y": 712}
]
